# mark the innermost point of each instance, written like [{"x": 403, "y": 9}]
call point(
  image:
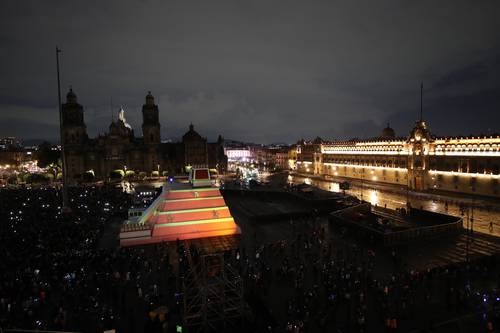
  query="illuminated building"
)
[
  {"x": 13, "y": 154},
  {"x": 281, "y": 159},
  {"x": 238, "y": 154},
  {"x": 120, "y": 149},
  {"x": 420, "y": 161}
]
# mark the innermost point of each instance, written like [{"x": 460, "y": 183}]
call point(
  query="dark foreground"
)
[{"x": 300, "y": 275}]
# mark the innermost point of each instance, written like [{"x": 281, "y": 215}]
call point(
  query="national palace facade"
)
[
  {"x": 420, "y": 161},
  {"x": 120, "y": 149}
]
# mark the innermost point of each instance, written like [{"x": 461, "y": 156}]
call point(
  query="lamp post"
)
[
  {"x": 468, "y": 243},
  {"x": 362, "y": 178},
  {"x": 408, "y": 205},
  {"x": 472, "y": 218}
]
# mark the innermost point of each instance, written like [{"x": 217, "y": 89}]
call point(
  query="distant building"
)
[
  {"x": 420, "y": 161},
  {"x": 11, "y": 152},
  {"x": 12, "y": 157},
  {"x": 9, "y": 142},
  {"x": 120, "y": 149},
  {"x": 264, "y": 155},
  {"x": 238, "y": 154},
  {"x": 281, "y": 159}
]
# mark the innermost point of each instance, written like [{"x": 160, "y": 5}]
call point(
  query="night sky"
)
[{"x": 261, "y": 71}]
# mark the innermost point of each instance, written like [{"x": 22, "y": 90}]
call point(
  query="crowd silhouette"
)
[{"x": 57, "y": 273}]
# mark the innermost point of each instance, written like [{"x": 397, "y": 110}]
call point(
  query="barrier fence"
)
[{"x": 448, "y": 225}]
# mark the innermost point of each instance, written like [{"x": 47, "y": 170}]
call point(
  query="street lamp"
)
[
  {"x": 408, "y": 205},
  {"x": 362, "y": 178}
]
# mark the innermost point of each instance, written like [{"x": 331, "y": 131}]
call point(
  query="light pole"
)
[
  {"x": 468, "y": 236},
  {"x": 65, "y": 205},
  {"x": 362, "y": 177},
  {"x": 408, "y": 205},
  {"x": 472, "y": 219}
]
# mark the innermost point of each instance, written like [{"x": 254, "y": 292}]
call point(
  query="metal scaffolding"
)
[{"x": 213, "y": 294}]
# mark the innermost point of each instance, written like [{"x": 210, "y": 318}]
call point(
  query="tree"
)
[
  {"x": 88, "y": 176},
  {"x": 117, "y": 174},
  {"x": 54, "y": 169},
  {"x": 26, "y": 177},
  {"x": 48, "y": 154},
  {"x": 129, "y": 174}
]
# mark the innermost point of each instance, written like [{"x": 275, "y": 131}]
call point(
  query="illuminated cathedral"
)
[{"x": 121, "y": 149}]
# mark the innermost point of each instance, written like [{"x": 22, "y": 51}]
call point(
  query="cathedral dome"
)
[
  {"x": 120, "y": 127},
  {"x": 388, "y": 132},
  {"x": 191, "y": 135}
]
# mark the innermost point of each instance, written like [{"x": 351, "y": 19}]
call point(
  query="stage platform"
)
[
  {"x": 395, "y": 227},
  {"x": 181, "y": 212}
]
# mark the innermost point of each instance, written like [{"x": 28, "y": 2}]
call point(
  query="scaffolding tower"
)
[{"x": 213, "y": 294}]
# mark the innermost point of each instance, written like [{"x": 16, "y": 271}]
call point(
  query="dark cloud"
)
[{"x": 253, "y": 70}]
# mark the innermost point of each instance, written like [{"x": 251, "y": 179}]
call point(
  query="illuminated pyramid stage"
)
[{"x": 182, "y": 211}]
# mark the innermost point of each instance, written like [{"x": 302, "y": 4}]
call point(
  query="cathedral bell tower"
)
[
  {"x": 150, "y": 121},
  {"x": 74, "y": 129},
  {"x": 74, "y": 136}
]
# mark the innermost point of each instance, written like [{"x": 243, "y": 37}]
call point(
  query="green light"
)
[{"x": 178, "y": 329}]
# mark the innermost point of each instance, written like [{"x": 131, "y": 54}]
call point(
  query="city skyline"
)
[{"x": 254, "y": 73}]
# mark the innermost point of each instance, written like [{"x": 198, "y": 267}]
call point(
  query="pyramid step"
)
[
  {"x": 189, "y": 194},
  {"x": 193, "y": 214},
  {"x": 183, "y": 204},
  {"x": 195, "y": 222}
]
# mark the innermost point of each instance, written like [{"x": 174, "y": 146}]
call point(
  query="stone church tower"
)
[
  {"x": 74, "y": 135},
  {"x": 150, "y": 121},
  {"x": 151, "y": 133},
  {"x": 74, "y": 129}
]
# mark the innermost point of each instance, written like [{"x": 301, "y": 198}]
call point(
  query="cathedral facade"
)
[{"x": 120, "y": 149}]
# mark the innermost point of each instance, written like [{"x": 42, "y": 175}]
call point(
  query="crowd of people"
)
[
  {"x": 319, "y": 283},
  {"x": 57, "y": 273}
]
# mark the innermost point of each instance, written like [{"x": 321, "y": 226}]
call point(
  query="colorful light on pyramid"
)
[{"x": 182, "y": 211}]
